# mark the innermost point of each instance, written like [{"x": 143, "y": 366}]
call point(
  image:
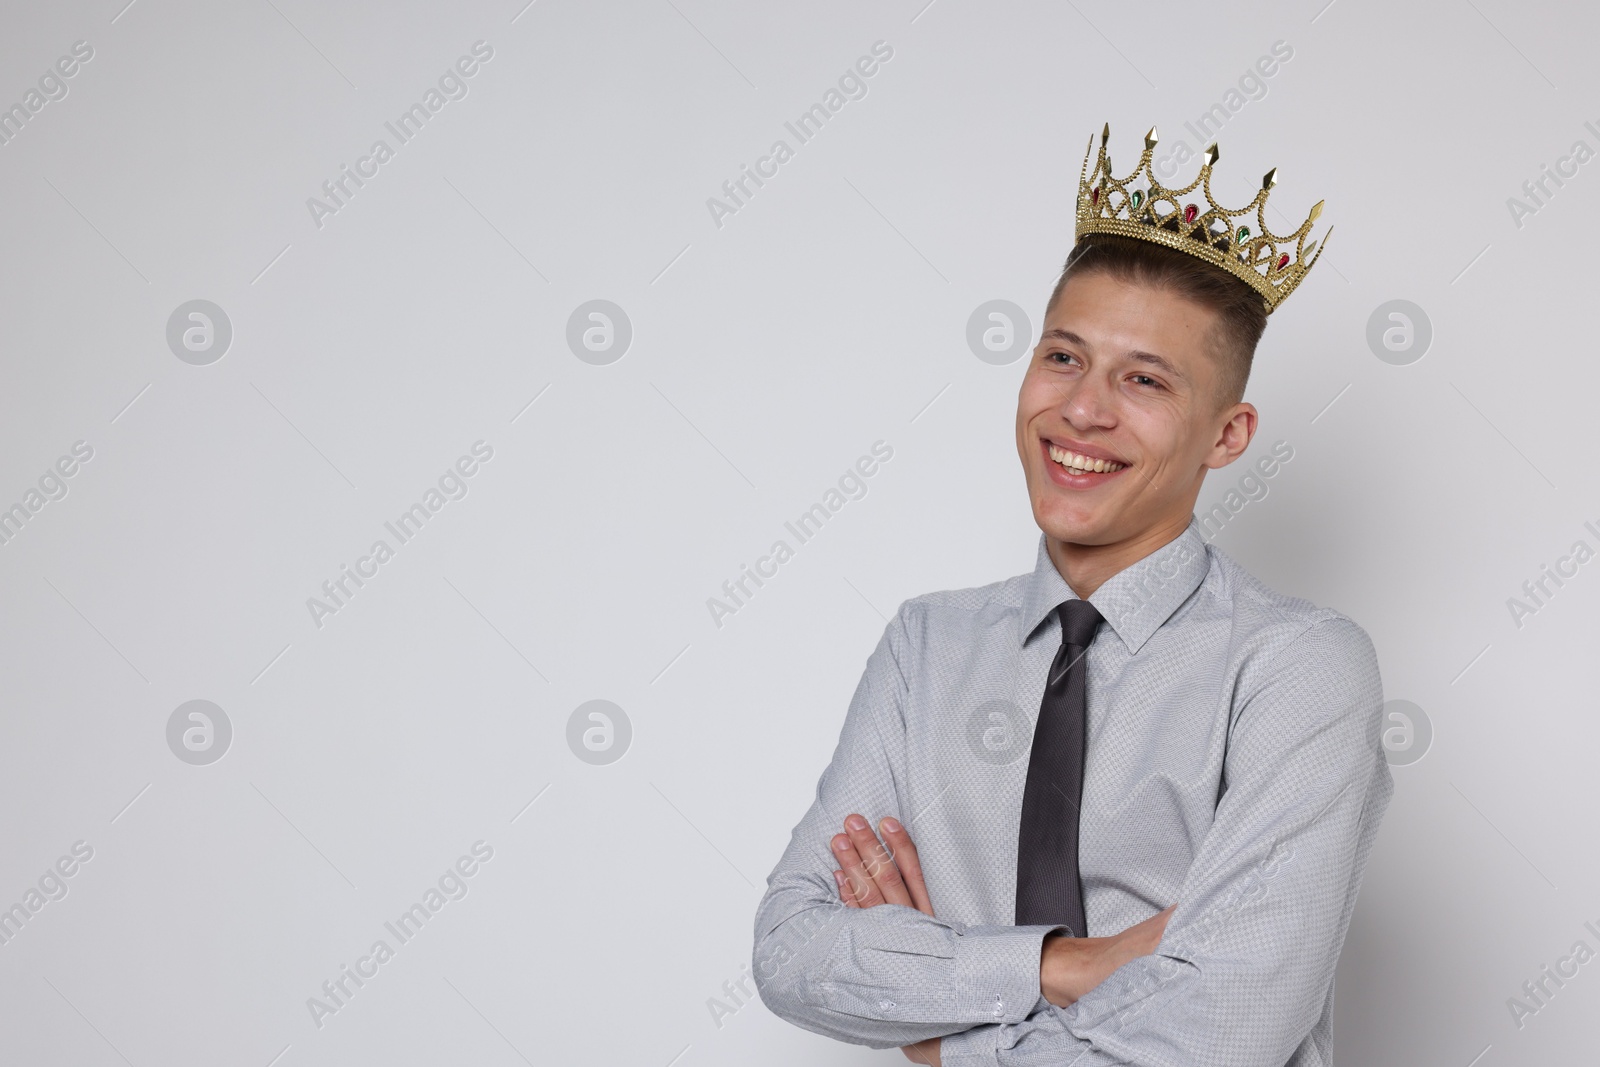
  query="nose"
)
[{"x": 1087, "y": 403}]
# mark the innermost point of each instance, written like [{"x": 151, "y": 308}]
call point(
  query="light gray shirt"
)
[{"x": 1234, "y": 766}]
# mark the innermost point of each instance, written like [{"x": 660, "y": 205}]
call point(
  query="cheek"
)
[
  {"x": 1028, "y": 404},
  {"x": 1024, "y": 443},
  {"x": 1160, "y": 438},
  {"x": 1183, "y": 458}
]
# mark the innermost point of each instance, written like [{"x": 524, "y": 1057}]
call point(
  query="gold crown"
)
[{"x": 1252, "y": 252}]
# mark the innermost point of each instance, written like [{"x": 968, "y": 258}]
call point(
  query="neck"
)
[{"x": 1086, "y": 568}]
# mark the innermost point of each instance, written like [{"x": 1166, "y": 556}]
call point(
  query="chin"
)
[{"x": 1074, "y": 526}]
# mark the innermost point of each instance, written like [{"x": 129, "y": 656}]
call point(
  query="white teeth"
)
[{"x": 1082, "y": 464}]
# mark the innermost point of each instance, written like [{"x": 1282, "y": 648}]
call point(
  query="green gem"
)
[
  {"x": 1243, "y": 234},
  {"x": 1138, "y": 198}
]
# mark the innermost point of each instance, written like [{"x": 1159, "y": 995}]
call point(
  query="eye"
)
[
  {"x": 1051, "y": 357},
  {"x": 1144, "y": 379}
]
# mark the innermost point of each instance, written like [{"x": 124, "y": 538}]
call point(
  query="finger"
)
[
  {"x": 862, "y": 887},
  {"x": 1149, "y": 933},
  {"x": 878, "y": 861},
  {"x": 845, "y": 894},
  {"x": 906, "y": 859}
]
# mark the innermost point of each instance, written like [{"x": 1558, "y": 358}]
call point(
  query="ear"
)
[{"x": 1237, "y": 427}]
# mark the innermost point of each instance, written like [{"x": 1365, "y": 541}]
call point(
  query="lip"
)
[
  {"x": 1064, "y": 478},
  {"x": 1081, "y": 449}
]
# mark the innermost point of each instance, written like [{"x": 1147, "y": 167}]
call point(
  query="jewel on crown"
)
[{"x": 1271, "y": 264}]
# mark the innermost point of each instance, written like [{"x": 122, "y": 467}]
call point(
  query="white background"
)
[{"x": 768, "y": 354}]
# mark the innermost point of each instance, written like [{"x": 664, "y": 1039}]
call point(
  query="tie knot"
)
[{"x": 1079, "y": 621}]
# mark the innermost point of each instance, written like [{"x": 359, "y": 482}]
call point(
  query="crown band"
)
[{"x": 1247, "y": 249}]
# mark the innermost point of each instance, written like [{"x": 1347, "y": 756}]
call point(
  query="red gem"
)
[
  {"x": 1283, "y": 261},
  {"x": 1094, "y": 195},
  {"x": 1190, "y": 212}
]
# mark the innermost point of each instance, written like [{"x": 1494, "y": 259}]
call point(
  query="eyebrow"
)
[{"x": 1137, "y": 354}]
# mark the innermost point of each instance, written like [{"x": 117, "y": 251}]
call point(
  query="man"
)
[{"x": 1143, "y": 786}]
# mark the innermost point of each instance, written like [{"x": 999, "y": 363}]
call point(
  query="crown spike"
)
[{"x": 1108, "y": 204}]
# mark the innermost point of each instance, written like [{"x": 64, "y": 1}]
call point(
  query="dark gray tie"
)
[{"x": 1049, "y": 889}]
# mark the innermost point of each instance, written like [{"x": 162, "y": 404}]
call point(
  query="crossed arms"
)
[
  {"x": 1240, "y": 969},
  {"x": 889, "y": 871}
]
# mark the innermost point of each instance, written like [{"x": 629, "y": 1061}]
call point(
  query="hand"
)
[
  {"x": 1071, "y": 966},
  {"x": 873, "y": 874}
]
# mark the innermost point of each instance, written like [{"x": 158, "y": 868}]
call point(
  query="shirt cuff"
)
[
  {"x": 977, "y": 1047},
  {"x": 997, "y": 970}
]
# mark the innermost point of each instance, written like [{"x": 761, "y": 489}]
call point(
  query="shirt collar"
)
[{"x": 1136, "y": 600}]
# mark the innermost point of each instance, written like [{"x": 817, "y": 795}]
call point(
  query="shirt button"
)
[{"x": 885, "y": 1005}]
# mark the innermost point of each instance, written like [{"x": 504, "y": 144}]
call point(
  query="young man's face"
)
[{"x": 1128, "y": 374}]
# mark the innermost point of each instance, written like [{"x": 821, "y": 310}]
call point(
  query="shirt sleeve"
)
[
  {"x": 1244, "y": 970},
  {"x": 888, "y": 975}
]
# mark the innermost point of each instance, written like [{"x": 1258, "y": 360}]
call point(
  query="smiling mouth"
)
[{"x": 1075, "y": 463}]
